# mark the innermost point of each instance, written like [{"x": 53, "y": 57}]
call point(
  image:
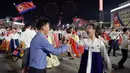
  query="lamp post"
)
[{"x": 101, "y": 16}]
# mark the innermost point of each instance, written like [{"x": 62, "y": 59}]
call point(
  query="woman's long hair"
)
[{"x": 98, "y": 31}]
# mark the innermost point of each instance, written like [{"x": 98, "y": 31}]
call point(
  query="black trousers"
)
[
  {"x": 113, "y": 45},
  {"x": 34, "y": 70},
  {"x": 124, "y": 57},
  {"x": 25, "y": 58},
  {"x": 109, "y": 51}
]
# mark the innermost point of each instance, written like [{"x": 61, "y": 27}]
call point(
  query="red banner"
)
[
  {"x": 80, "y": 21},
  {"x": 25, "y": 6},
  {"x": 17, "y": 18}
]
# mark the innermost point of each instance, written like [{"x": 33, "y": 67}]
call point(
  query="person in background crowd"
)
[
  {"x": 95, "y": 56},
  {"x": 6, "y": 42},
  {"x": 52, "y": 60},
  {"x": 124, "y": 47},
  {"x": 25, "y": 40},
  {"x": 106, "y": 36},
  {"x": 80, "y": 37},
  {"x": 60, "y": 36},
  {"x": 40, "y": 48},
  {"x": 14, "y": 43},
  {"x": 113, "y": 42},
  {"x": 76, "y": 44},
  {"x": 56, "y": 40},
  {"x": 117, "y": 40},
  {"x": 75, "y": 36},
  {"x": 1, "y": 40},
  {"x": 79, "y": 32},
  {"x": 19, "y": 31},
  {"x": 67, "y": 38},
  {"x": 84, "y": 34},
  {"x": 100, "y": 36}
]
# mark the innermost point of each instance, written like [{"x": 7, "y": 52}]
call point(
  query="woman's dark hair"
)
[
  {"x": 41, "y": 22},
  {"x": 69, "y": 30},
  {"x": 97, "y": 29},
  {"x": 125, "y": 29},
  {"x": 113, "y": 28},
  {"x": 93, "y": 25}
]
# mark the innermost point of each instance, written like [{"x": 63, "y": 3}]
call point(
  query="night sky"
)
[{"x": 87, "y": 9}]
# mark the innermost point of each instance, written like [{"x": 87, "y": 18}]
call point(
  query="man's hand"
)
[{"x": 25, "y": 70}]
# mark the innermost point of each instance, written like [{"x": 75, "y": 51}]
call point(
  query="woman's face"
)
[
  {"x": 71, "y": 30},
  {"x": 89, "y": 29},
  {"x": 13, "y": 31}
]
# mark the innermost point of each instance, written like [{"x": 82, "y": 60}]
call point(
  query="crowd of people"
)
[{"x": 40, "y": 47}]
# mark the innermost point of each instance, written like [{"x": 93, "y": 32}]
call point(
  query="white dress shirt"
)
[{"x": 27, "y": 37}]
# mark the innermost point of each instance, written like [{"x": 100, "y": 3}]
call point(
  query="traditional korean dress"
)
[
  {"x": 75, "y": 48},
  {"x": 52, "y": 60},
  {"x": 14, "y": 43},
  {"x": 95, "y": 58},
  {"x": 67, "y": 38},
  {"x": 56, "y": 39},
  {"x": 6, "y": 42},
  {"x": 22, "y": 47},
  {"x": 75, "y": 36}
]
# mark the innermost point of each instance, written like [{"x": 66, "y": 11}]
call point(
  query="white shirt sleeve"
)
[{"x": 106, "y": 58}]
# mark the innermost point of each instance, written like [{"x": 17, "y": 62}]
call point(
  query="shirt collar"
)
[
  {"x": 39, "y": 33},
  {"x": 93, "y": 40}
]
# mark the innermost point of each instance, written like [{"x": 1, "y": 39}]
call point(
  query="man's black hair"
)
[
  {"x": 41, "y": 22},
  {"x": 125, "y": 29},
  {"x": 27, "y": 25}
]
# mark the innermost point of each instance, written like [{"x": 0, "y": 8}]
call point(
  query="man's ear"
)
[{"x": 42, "y": 28}]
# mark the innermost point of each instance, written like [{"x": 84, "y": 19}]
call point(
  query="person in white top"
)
[
  {"x": 113, "y": 42},
  {"x": 113, "y": 34},
  {"x": 95, "y": 56},
  {"x": 14, "y": 43},
  {"x": 14, "y": 34},
  {"x": 26, "y": 38},
  {"x": 124, "y": 47},
  {"x": 67, "y": 37}
]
